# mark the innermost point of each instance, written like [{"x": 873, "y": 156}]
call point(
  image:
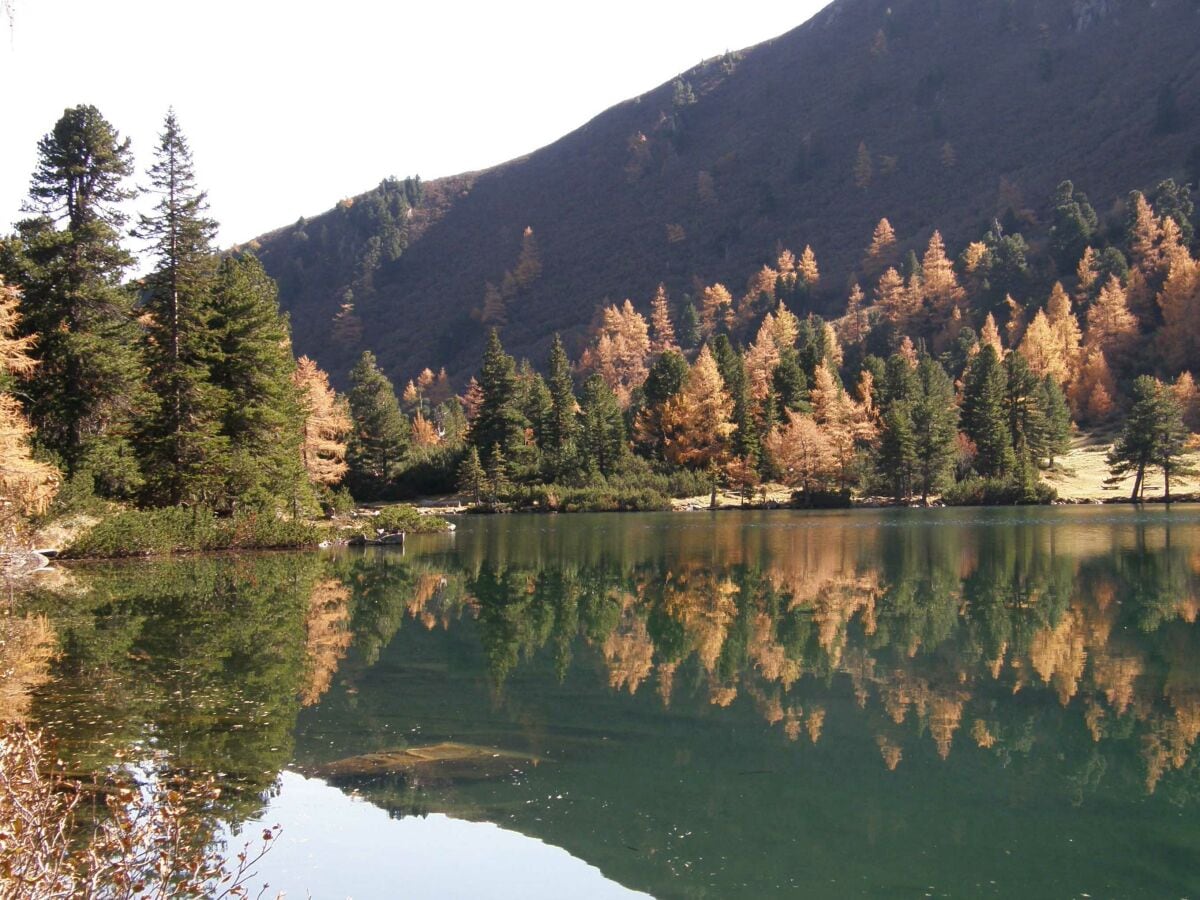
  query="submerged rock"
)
[{"x": 447, "y": 761}]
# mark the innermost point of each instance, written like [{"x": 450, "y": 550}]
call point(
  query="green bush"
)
[
  {"x": 998, "y": 492},
  {"x": 821, "y": 499},
  {"x": 595, "y": 498},
  {"x": 401, "y": 517},
  {"x": 149, "y": 532}
]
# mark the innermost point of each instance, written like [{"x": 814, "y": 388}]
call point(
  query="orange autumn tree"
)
[
  {"x": 940, "y": 290},
  {"x": 845, "y": 423},
  {"x": 26, "y": 485},
  {"x": 620, "y": 351},
  {"x": 326, "y": 425},
  {"x": 1179, "y": 300},
  {"x": 697, "y": 421},
  {"x": 661, "y": 327},
  {"x": 883, "y": 251},
  {"x": 855, "y": 324},
  {"x": 1111, "y": 327},
  {"x": 804, "y": 455},
  {"x": 896, "y": 303},
  {"x": 716, "y": 310}
]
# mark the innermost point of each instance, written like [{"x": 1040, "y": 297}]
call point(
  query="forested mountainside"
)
[{"x": 943, "y": 114}]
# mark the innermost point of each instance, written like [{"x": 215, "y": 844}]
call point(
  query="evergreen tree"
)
[
  {"x": 664, "y": 382},
  {"x": 498, "y": 474},
  {"x": 87, "y": 391},
  {"x": 533, "y": 399},
  {"x": 789, "y": 383},
  {"x": 1026, "y": 420},
  {"x": 472, "y": 479},
  {"x": 263, "y": 419},
  {"x": 602, "y": 438},
  {"x": 1138, "y": 447},
  {"x": 379, "y": 440},
  {"x": 559, "y": 427},
  {"x": 499, "y": 422},
  {"x": 732, "y": 367},
  {"x": 896, "y": 458},
  {"x": 935, "y": 424},
  {"x": 984, "y": 413},
  {"x": 180, "y": 441},
  {"x": 899, "y": 382},
  {"x": 689, "y": 325},
  {"x": 1055, "y": 438},
  {"x": 1074, "y": 224},
  {"x": 1154, "y": 435}
]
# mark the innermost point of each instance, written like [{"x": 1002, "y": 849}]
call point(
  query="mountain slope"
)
[{"x": 969, "y": 109}]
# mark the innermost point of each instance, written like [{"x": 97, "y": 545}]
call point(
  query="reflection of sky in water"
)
[{"x": 332, "y": 846}]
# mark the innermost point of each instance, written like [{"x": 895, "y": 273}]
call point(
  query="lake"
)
[{"x": 957, "y": 703}]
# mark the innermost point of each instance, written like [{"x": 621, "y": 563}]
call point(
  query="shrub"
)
[
  {"x": 998, "y": 492},
  {"x": 401, "y": 517},
  {"x": 176, "y": 529},
  {"x": 153, "y": 842}
]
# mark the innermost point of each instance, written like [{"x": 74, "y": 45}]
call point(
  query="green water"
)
[{"x": 873, "y": 703}]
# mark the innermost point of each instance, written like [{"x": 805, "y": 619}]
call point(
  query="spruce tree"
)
[
  {"x": 603, "y": 442},
  {"x": 935, "y": 424},
  {"x": 1023, "y": 400},
  {"x": 498, "y": 475},
  {"x": 88, "y": 388},
  {"x": 379, "y": 440},
  {"x": 984, "y": 414},
  {"x": 499, "y": 421},
  {"x": 253, "y": 368},
  {"x": 559, "y": 428},
  {"x": 180, "y": 441},
  {"x": 472, "y": 479},
  {"x": 1055, "y": 438},
  {"x": 896, "y": 458},
  {"x": 1153, "y": 435}
]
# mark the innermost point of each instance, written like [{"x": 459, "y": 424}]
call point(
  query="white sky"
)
[{"x": 290, "y": 106}]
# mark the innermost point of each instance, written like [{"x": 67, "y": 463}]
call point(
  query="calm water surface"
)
[{"x": 899, "y": 703}]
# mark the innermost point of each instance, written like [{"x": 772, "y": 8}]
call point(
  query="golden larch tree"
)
[
  {"x": 697, "y": 421},
  {"x": 1040, "y": 349},
  {"x": 895, "y": 301},
  {"x": 759, "y": 296},
  {"x": 807, "y": 269},
  {"x": 1187, "y": 395},
  {"x": 761, "y": 359},
  {"x": 620, "y": 351},
  {"x": 854, "y": 326},
  {"x": 802, "y": 452},
  {"x": 845, "y": 423},
  {"x": 883, "y": 250},
  {"x": 989, "y": 335},
  {"x": 940, "y": 290},
  {"x": 716, "y": 310},
  {"x": 1085, "y": 273},
  {"x": 26, "y": 485},
  {"x": 1111, "y": 327},
  {"x": 1179, "y": 300},
  {"x": 1093, "y": 391},
  {"x": 326, "y": 424},
  {"x": 662, "y": 329},
  {"x": 1067, "y": 335}
]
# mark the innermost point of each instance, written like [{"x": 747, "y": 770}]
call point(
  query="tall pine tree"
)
[
  {"x": 499, "y": 421},
  {"x": 69, "y": 264},
  {"x": 379, "y": 439},
  {"x": 263, "y": 415},
  {"x": 180, "y": 442}
]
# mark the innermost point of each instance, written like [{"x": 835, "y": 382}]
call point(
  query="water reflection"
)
[{"x": 706, "y": 701}]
